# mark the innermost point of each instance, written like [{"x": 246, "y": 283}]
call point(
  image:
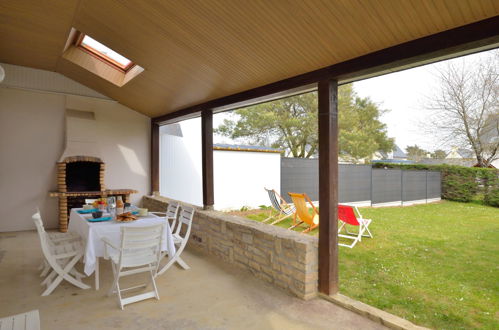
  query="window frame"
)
[{"x": 102, "y": 57}]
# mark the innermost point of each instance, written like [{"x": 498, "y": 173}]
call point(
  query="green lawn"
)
[{"x": 436, "y": 265}]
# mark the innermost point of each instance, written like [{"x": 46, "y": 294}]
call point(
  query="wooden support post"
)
[
  {"x": 207, "y": 156},
  {"x": 328, "y": 186},
  {"x": 154, "y": 158}
]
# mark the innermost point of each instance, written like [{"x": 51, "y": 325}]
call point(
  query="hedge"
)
[
  {"x": 460, "y": 183},
  {"x": 491, "y": 196}
]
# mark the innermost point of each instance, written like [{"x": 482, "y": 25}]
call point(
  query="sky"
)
[{"x": 403, "y": 94}]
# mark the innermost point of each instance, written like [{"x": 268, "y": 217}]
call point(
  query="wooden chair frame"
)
[
  {"x": 308, "y": 220},
  {"x": 280, "y": 205}
]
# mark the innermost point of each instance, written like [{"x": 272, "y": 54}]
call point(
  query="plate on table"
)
[{"x": 126, "y": 217}]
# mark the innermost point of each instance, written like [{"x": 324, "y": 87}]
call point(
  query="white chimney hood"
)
[{"x": 81, "y": 134}]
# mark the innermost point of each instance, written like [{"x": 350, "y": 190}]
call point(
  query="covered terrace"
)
[{"x": 180, "y": 60}]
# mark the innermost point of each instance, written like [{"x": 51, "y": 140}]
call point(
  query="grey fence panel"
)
[
  {"x": 434, "y": 184},
  {"x": 413, "y": 185},
  {"x": 354, "y": 183},
  {"x": 386, "y": 185},
  {"x": 360, "y": 182},
  {"x": 300, "y": 175}
]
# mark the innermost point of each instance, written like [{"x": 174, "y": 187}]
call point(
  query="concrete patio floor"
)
[{"x": 211, "y": 295}]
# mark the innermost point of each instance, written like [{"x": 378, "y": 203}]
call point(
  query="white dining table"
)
[{"x": 93, "y": 232}]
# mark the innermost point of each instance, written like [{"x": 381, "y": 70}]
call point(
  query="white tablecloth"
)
[{"x": 92, "y": 232}]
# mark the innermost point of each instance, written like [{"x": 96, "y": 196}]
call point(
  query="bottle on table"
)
[{"x": 119, "y": 205}]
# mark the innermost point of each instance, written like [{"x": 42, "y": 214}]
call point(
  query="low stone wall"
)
[{"x": 284, "y": 258}]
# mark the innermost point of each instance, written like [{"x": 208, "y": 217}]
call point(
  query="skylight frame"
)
[{"x": 101, "y": 56}]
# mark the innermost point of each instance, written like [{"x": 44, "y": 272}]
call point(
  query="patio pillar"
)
[
  {"x": 154, "y": 158},
  {"x": 207, "y": 156},
  {"x": 328, "y": 186}
]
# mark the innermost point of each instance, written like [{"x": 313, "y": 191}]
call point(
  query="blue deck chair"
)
[{"x": 280, "y": 205}]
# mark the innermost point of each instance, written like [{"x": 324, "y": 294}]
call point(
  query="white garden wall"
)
[
  {"x": 239, "y": 176},
  {"x": 180, "y": 172}
]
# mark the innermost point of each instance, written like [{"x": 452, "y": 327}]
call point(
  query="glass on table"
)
[
  {"x": 127, "y": 208},
  {"x": 111, "y": 206}
]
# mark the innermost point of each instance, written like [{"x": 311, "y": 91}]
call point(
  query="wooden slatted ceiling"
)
[
  {"x": 33, "y": 33},
  {"x": 197, "y": 50}
]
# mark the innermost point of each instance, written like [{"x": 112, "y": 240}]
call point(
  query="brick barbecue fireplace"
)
[
  {"x": 80, "y": 172},
  {"x": 80, "y": 178}
]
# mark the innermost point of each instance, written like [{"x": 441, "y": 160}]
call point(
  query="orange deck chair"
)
[{"x": 312, "y": 220}]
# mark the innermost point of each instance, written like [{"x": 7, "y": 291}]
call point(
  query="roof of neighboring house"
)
[
  {"x": 465, "y": 153},
  {"x": 398, "y": 153},
  {"x": 491, "y": 130},
  {"x": 236, "y": 147},
  {"x": 172, "y": 129}
]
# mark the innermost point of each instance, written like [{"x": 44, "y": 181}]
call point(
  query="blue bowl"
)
[{"x": 97, "y": 214}]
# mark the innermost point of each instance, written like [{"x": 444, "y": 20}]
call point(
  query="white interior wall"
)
[
  {"x": 22, "y": 77},
  {"x": 32, "y": 140}
]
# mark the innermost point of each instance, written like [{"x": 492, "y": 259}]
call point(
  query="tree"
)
[
  {"x": 466, "y": 106},
  {"x": 415, "y": 153},
  {"x": 361, "y": 131},
  {"x": 291, "y": 124},
  {"x": 438, "y": 154}
]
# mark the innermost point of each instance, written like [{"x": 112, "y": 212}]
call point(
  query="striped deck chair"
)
[{"x": 279, "y": 204}]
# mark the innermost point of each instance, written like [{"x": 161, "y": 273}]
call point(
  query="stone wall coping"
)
[
  {"x": 279, "y": 232},
  {"x": 389, "y": 320}
]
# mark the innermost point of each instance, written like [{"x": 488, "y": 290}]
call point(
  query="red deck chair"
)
[{"x": 346, "y": 215}]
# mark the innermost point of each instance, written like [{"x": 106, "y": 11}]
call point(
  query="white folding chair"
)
[
  {"x": 346, "y": 215},
  {"x": 171, "y": 214},
  {"x": 180, "y": 238},
  {"x": 139, "y": 252},
  {"x": 61, "y": 258},
  {"x": 56, "y": 238}
]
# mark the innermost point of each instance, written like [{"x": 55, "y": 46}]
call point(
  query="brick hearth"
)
[{"x": 73, "y": 199}]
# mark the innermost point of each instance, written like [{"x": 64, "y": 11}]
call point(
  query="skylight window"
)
[{"x": 104, "y": 53}]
